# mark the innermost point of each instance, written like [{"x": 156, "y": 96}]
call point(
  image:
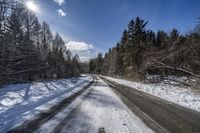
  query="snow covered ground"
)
[
  {"x": 98, "y": 108},
  {"x": 23, "y": 101},
  {"x": 183, "y": 96}
]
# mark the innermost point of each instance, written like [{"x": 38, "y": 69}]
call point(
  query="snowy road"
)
[
  {"x": 160, "y": 115},
  {"x": 102, "y": 110},
  {"x": 107, "y": 107},
  {"x": 96, "y": 110}
]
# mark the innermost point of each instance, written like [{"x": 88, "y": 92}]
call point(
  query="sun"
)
[{"x": 32, "y": 6}]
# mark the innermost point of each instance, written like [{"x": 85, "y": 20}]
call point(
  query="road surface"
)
[
  {"x": 107, "y": 107},
  {"x": 158, "y": 114},
  {"x": 102, "y": 111}
]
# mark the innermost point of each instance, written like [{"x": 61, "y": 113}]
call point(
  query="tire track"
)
[
  {"x": 33, "y": 125},
  {"x": 159, "y": 115}
]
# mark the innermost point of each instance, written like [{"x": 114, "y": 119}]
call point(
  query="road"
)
[
  {"x": 107, "y": 107},
  {"x": 102, "y": 111},
  {"x": 158, "y": 114}
]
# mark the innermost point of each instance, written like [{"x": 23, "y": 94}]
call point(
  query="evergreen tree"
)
[
  {"x": 174, "y": 37},
  {"x": 28, "y": 50},
  {"x": 99, "y": 63},
  {"x": 161, "y": 39},
  {"x": 141, "y": 51}
]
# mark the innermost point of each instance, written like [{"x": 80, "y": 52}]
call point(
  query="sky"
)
[{"x": 92, "y": 26}]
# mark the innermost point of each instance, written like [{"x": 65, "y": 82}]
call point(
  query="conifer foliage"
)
[
  {"x": 142, "y": 52},
  {"x": 29, "y": 50}
]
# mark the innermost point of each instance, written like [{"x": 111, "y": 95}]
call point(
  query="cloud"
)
[
  {"x": 85, "y": 58},
  {"x": 79, "y": 46},
  {"x": 84, "y": 50},
  {"x": 59, "y": 2},
  {"x": 61, "y": 13}
]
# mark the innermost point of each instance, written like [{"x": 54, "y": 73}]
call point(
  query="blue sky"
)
[{"x": 92, "y": 26}]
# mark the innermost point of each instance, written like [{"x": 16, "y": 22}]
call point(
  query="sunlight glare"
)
[{"x": 31, "y": 6}]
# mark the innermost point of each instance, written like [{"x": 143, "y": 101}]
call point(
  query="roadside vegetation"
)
[{"x": 141, "y": 54}]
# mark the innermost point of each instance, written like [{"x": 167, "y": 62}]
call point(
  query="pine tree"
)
[
  {"x": 99, "y": 63},
  {"x": 161, "y": 39},
  {"x": 174, "y": 37},
  {"x": 150, "y": 38},
  {"x": 29, "y": 50},
  {"x": 136, "y": 44},
  {"x": 119, "y": 60}
]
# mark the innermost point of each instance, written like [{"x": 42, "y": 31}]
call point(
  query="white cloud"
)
[
  {"x": 61, "y": 13},
  {"x": 84, "y": 50},
  {"x": 78, "y": 46},
  {"x": 85, "y": 58},
  {"x": 59, "y": 2}
]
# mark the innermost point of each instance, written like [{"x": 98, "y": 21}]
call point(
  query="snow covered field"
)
[
  {"x": 23, "y": 101},
  {"x": 183, "y": 96},
  {"x": 98, "y": 108}
]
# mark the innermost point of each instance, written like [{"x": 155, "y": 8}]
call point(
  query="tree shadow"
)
[
  {"x": 80, "y": 120},
  {"x": 73, "y": 123}
]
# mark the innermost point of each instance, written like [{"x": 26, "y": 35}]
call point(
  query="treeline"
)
[
  {"x": 142, "y": 52},
  {"x": 28, "y": 49}
]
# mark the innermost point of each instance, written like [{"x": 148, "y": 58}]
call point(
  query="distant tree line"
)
[
  {"x": 142, "y": 52},
  {"x": 28, "y": 49}
]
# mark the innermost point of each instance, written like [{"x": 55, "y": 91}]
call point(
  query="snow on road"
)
[
  {"x": 183, "y": 96},
  {"x": 99, "y": 108},
  {"x": 22, "y": 102}
]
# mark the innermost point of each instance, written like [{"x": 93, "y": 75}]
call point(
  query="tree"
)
[
  {"x": 28, "y": 50},
  {"x": 92, "y": 66},
  {"x": 37, "y": 33},
  {"x": 174, "y": 37},
  {"x": 141, "y": 52},
  {"x": 136, "y": 46},
  {"x": 99, "y": 63},
  {"x": 150, "y": 38},
  {"x": 125, "y": 37},
  {"x": 119, "y": 59},
  {"x": 76, "y": 66},
  {"x": 161, "y": 39}
]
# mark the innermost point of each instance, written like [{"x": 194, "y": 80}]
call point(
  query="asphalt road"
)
[
  {"x": 102, "y": 111},
  {"x": 159, "y": 115}
]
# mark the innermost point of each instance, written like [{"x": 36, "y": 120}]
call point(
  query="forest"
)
[
  {"x": 29, "y": 50},
  {"x": 142, "y": 52}
]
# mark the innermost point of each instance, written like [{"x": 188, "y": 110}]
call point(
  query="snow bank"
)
[
  {"x": 23, "y": 94},
  {"x": 183, "y": 96},
  {"x": 23, "y": 101}
]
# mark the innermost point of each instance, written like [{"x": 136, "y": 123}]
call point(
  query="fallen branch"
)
[{"x": 163, "y": 65}]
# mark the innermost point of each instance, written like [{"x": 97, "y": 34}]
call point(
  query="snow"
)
[
  {"x": 21, "y": 102},
  {"x": 186, "y": 97},
  {"x": 98, "y": 107}
]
